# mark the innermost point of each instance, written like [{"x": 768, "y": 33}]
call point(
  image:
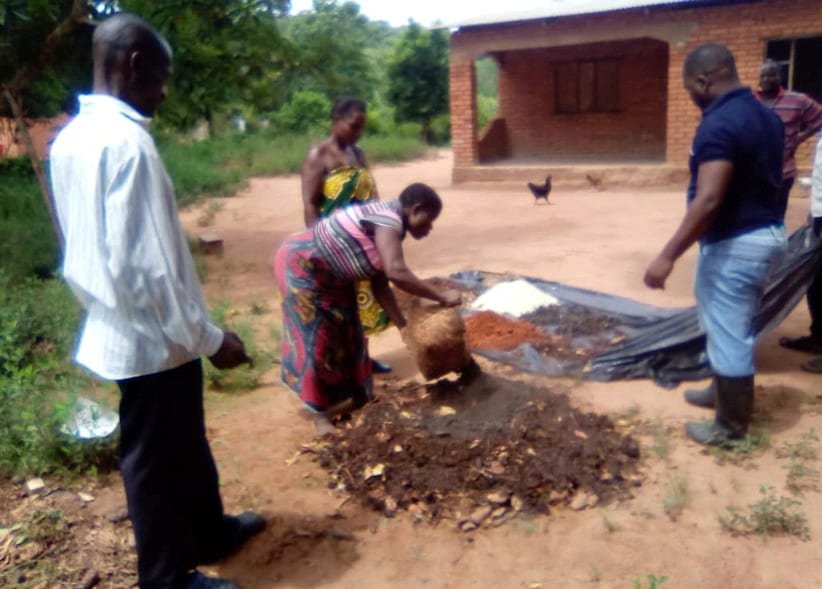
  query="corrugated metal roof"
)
[{"x": 560, "y": 8}]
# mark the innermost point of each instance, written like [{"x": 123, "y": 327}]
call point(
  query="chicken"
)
[
  {"x": 596, "y": 181},
  {"x": 541, "y": 191}
]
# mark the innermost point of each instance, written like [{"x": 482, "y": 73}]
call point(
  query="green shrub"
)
[
  {"x": 392, "y": 148},
  {"x": 304, "y": 112},
  {"x": 244, "y": 377},
  {"x": 380, "y": 121},
  {"x": 38, "y": 383},
  {"x": 441, "y": 129},
  {"x": 408, "y": 130},
  {"x": 487, "y": 107},
  {"x": 28, "y": 243}
]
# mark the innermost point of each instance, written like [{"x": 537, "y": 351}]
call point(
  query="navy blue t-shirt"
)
[{"x": 739, "y": 129}]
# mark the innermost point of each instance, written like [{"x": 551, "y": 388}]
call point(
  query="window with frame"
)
[
  {"x": 587, "y": 86},
  {"x": 801, "y": 63}
]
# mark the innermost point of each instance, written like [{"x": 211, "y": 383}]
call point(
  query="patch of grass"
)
[
  {"x": 660, "y": 445},
  {"x": 220, "y": 165},
  {"x": 676, "y": 497},
  {"x": 804, "y": 449},
  {"x": 801, "y": 477},
  {"x": 28, "y": 243},
  {"x": 770, "y": 516},
  {"x": 43, "y": 527},
  {"x": 244, "y": 377},
  {"x": 38, "y": 383},
  {"x": 654, "y": 582},
  {"x": 209, "y": 213},
  {"x": 739, "y": 451}
]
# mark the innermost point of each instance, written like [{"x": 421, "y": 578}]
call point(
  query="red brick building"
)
[{"x": 600, "y": 82}]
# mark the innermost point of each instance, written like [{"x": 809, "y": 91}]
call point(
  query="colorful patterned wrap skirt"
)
[
  {"x": 342, "y": 187},
  {"x": 324, "y": 355}
]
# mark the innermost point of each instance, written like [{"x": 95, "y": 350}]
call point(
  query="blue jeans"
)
[{"x": 730, "y": 278}]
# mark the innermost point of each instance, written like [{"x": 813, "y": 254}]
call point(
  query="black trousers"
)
[
  {"x": 815, "y": 292},
  {"x": 171, "y": 481}
]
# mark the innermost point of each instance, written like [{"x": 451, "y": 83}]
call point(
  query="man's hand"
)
[
  {"x": 231, "y": 352},
  {"x": 657, "y": 272},
  {"x": 451, "y": 298}
]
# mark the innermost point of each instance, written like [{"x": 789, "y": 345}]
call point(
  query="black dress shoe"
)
[
  {"x": 200, "y": 581},
  {"x": 237, "y": 529}
]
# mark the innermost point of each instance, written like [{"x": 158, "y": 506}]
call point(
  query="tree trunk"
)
[{"x": 36, "y": 162}]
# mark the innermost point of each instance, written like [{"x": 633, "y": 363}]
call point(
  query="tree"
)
[
  {"x": 226, "y": 53},
  {"x": 418, "y": 76},
  {"x": 333, "y": 59},
  {"x": 33, "y": 33},
  {"x": 45, "y": 52}
]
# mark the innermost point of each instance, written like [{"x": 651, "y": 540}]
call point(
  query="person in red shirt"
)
[{"x": 802, "y": 117}]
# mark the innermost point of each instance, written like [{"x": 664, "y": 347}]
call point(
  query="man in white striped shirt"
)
[{"x": 146, "y": 325}]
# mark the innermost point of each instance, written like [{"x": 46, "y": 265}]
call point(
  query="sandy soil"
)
[{"x": 598, "y": 240}]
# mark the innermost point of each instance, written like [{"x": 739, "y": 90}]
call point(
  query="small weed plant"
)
[
  {"x": 739, "y": 451},
  {"x": 676, "y": 498},
  {"x": 660, "y": 445},
  {"x": 801, "y": 476},
  {"x": 770, "y": 516},
  {"x": 804, "y": 449},
  {"x": 654, "y": 582}
]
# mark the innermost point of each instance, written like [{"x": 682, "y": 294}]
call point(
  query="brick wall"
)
[
  {"x": 463, "y": 91},
  {"x": 527, "y": 98},
  {"x": 745, "y": 28},
  {"x": 42, "y": 131}
]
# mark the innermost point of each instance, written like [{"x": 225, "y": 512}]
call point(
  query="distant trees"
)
[
  {"x": 226, "y": 53},
  {"x": 418, "y": 76},
  {"x": 232, "y": 56}
]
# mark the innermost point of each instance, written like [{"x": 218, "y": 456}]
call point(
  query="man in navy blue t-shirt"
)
[{"x": 735, "y": 212}]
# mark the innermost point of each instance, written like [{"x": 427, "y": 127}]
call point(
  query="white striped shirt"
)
[
  {"x": 126, "y": 257},
  {"x": 816, "y": 182}
]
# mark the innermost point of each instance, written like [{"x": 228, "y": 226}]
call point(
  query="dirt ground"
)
[{"x": 667, "y": 524}]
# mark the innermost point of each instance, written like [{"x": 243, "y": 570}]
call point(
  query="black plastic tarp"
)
[{"x": 664, "y": 344}]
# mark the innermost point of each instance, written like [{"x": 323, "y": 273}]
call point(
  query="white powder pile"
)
[{"x": 517, "y": 298}]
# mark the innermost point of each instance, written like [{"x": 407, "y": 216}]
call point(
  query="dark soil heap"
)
[{"x": 477, "y": 452}]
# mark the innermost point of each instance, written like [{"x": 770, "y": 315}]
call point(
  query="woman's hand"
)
[{"x": 451, "y": 298}]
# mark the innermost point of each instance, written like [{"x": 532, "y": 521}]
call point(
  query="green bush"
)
[
  {"x": 305, "y": 111},
  {"x": 408, "y": 130},
  {"x": 487, "y": 107},
  {"x": 38, "y": 383},
  {"x": 244, "y": 377},
  {"x": 380, "y": 121},
  {"x": 28, "y": 243},
  {"x": 392, "y": 148},
  {"x": 441, "y": 129}
]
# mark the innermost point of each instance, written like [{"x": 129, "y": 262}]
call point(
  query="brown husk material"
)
[
  {"x": 444, "y": 450},
  {"x": 435, "y": 336}
]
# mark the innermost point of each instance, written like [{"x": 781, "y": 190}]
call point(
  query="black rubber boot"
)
[
  {"x": 702, "y": 397},
  {"x": 734, "y": 407}
]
